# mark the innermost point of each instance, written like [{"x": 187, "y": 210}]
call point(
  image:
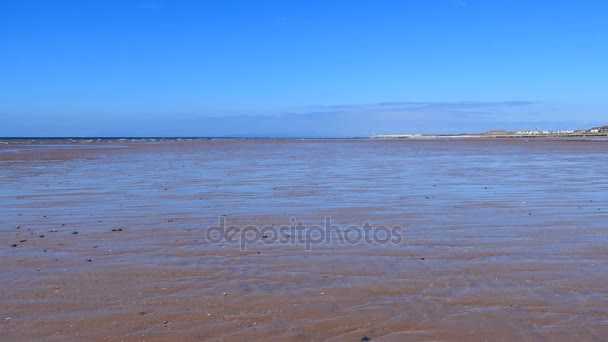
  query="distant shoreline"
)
[
  {"x": 492, "y": 136},
  {"x": 373, "y": 137}
]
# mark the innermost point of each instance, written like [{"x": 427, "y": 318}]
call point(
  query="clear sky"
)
[{"x": 300, "y": 68}]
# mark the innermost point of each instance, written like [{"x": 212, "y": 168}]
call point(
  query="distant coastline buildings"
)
[
  {"x": 594, "y": 130},
  {"x": 601, "y": 131},
  {"x": 537, "y": 132}
]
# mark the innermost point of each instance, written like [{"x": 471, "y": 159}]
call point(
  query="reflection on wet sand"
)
[{"x": 502, "y": 240}]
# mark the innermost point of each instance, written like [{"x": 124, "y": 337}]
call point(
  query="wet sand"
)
[{"x": 503, "y": 240}]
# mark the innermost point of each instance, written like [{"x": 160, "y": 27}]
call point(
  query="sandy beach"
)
[{"x": 108, "y": 240}]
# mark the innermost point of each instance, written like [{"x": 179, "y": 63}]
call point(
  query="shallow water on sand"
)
[{"x": 500, "y": 240}]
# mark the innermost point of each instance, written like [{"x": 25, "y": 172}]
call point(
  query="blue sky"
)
[{"x": 300, "y": 68}]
